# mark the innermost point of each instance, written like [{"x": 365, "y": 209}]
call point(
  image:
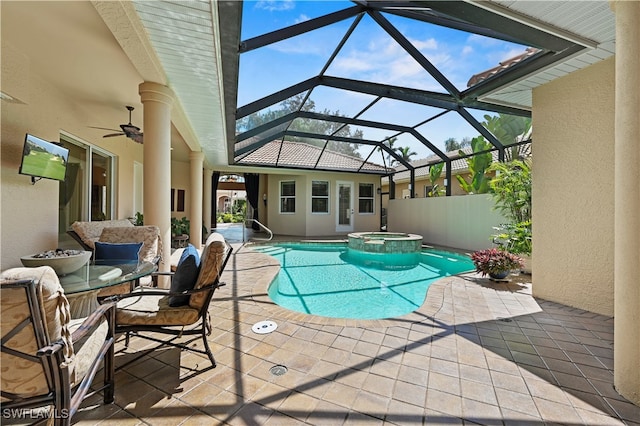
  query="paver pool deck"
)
[{"x": 476, "y": 352}]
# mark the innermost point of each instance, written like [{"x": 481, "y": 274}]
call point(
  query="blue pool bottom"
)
[{"x": 332, "y": 281}]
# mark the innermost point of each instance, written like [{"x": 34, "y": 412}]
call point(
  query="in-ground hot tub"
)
[
  {"x": 385, "y": 249},
  {"x": 385, "y": 242}
]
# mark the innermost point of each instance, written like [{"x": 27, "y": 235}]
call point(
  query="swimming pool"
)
[{"x": 332, "y": 281}]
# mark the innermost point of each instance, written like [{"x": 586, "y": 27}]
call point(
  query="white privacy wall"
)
[{"x": 463, "y": 222}]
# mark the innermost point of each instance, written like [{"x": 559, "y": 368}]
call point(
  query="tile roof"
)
[
  {"x": 502, "y": 66},
  {"x": 303, "y": 155},
  {"x": 457, "y": 166}
]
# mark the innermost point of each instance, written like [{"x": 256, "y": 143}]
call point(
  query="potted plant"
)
[
  {"x": 179, "y": 226},
  {"x": 495, "y": 262}
]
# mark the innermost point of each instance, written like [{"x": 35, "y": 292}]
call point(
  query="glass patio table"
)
[{"x": 82, "y": 286}]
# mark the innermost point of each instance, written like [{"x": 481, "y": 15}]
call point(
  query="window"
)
[
  {"x": 427, "y": 190},
  {"x": 319, "y": 196},
  {"x": 365, "y": 198},
  {"x": 180, "y": 205},
  {"x": 288, "y": 196},
  {"x": 87, "y": 192}
]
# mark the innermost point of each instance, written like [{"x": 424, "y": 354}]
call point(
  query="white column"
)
[
  {"x": 626, "y": 349},
  {"x": 157, "y": 101},
  {"x": 195, "y": 216},
  {"x": 206, "y": 198}
]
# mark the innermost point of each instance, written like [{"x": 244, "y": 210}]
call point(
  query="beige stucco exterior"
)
[
  {"x": 573, "y": 189},
  {"x": 180, "y": 180},
  {"x": 46, "y": 112},
  {"x": 305, "y": 223},
  {"x": 461, "y": 222},
  {"x": 626, "y": 341},
  {"x": 421, "y": 183}
]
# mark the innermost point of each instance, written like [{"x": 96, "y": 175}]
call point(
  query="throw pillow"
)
[
  {"x": 185, "y": 276},
  {"x": 117, "y": 253}
]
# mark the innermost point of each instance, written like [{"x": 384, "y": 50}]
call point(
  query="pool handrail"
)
[{"x": 261, "y": 226}]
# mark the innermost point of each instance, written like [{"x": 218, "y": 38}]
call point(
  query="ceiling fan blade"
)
[
  {"x": 103, "y": 128},
  {"x": 137, "y": 137},
  {"x": 129, "y": 128},
  {"x": 113, "y": 134}
]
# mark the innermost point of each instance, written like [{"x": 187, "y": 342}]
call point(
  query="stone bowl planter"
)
[{"x": 62, "y": 261}]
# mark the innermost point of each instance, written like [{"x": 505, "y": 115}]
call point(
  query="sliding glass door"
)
[{"x": 87, "y": 192}]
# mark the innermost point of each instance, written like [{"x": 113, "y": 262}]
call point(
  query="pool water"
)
[{"x": 332, "y": 281}]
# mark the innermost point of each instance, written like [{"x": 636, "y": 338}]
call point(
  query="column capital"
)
[
  {"x": 196, "y": 156},
  {"x": 154, "y": 92}
]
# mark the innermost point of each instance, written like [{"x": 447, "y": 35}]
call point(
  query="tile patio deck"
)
[{"x": 477, "y": 352}]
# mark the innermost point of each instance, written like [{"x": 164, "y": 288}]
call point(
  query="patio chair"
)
[
  {"x": 149, "y": 310},
  {"x": 48, "y": 360},
  {"x": 151, "y": 250},
  {"x": 87, "y": 233}
]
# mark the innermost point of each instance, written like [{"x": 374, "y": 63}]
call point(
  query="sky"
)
[{"x": 370, "y": 54}]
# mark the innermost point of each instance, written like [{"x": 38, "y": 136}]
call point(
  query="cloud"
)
[
  {"x": 467, "y": 50},
  {"x": 429, "y": 44},
  {"x": 385, "y": 61},
  {"x": 513, "y": 52},
  {"x": 275, "y": 5},
  {"x": 353, "y": 64},
  {"x": 301, "y": 18},
  {"x": 316, "y": 43},
  {"x": 483, "y": 41}
]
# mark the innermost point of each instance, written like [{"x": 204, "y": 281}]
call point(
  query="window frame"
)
[
  {"x": 362, "y": 198},
  {"x": 319, "y": 197},
  {"x": 282, "y": 197},
  {"x": 427, "y": 190}
]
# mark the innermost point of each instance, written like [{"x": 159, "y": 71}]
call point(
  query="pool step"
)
[{"x": 272, "y": 250}]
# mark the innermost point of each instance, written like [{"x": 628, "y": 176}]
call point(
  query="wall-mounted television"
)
[{"x": 42, "y": 159}]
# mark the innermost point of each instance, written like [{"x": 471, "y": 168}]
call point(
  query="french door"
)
[{"x": 344, "y": 206}]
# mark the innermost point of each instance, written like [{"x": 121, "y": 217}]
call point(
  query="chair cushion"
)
[
  {"x": 115, "y": 253},
  {"x": 148, "y": 235},
  {"x": 90, "y": 232},
  {"x": 87, "y": 349},
  {"x": 153, "y": 310},
  {"x": 210, "y": 267},
  {"x": 185, "y": 276},
  {"x": 17, "y": 375}
]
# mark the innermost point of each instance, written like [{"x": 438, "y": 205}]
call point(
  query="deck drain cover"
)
[
  {"x": 278, "y": 370},
  {"x": 264, "y": 327}
]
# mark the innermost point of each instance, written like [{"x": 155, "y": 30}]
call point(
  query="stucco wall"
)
[
  {"x": 421, "y": 183},
  {"x": 462, "y": 222},
  {"x": 180, "y": 179},
  {"x": 305, "y": 223},
  {"x": 573, "y": 189},
  {"x": 29, "y": 213}
]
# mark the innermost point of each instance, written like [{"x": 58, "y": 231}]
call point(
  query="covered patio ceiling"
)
[{"x": 266, "y": 128}]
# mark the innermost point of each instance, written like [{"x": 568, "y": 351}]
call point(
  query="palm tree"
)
[
  {"x": 452, "y": 144},
  {"x": 389, "y": 142},
  {"x": 405, "y": 154},
  {"x": 510, "y": 129}
]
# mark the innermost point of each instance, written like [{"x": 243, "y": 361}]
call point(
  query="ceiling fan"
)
[{"x": 128, "y": 130}]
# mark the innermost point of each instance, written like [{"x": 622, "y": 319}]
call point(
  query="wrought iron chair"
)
[
  {"x": 148, "y": 310},
  {"x": 48, "y": 360},
  {"x": 151, "y": 250}
]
